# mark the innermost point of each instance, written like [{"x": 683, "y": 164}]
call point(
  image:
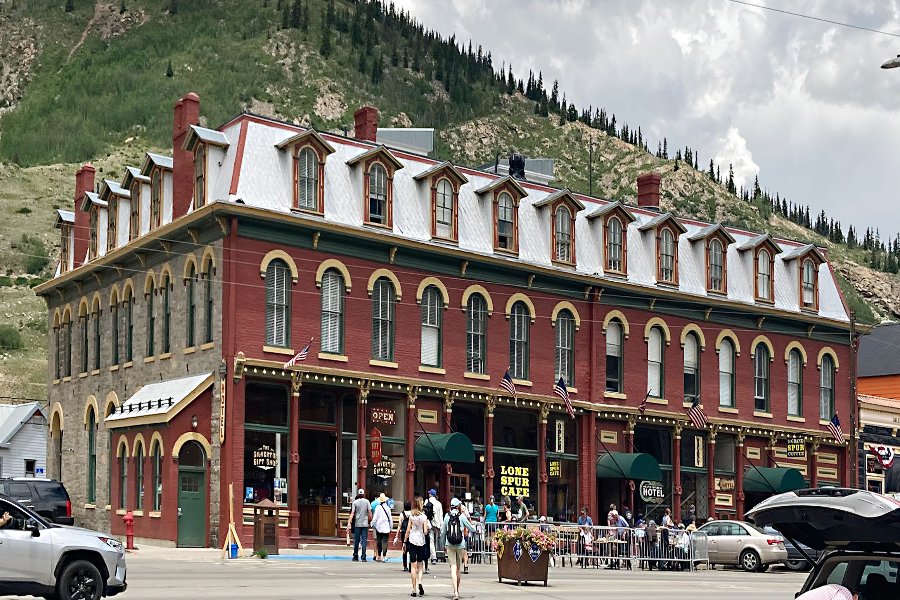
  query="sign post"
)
[{"x": 375, "y": 446}]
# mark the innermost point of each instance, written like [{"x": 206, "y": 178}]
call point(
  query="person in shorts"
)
[
  {"x": 457, "y": 522},
  {"x": 416, "y": 541}
]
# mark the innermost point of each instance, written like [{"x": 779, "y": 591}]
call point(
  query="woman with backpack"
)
[
  {"x": 454, "y": 532},
  {"x": 401, "y": 533},
  {"x": 416, "y": 540}
]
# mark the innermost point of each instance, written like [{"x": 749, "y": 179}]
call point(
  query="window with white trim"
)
[
  {"x": 506, "y": 227},
  {"x": 92, "y": 248},
  {"x": 726, "y": 374},
  {"x": 155, "y": 199},
  {"x": 761, "y": 359},
  {"x": 716, "y": 266},
  {"x": 476, "y": 334},
  {"x": 667, "y": 256},
  {"x": 383, "y": 297},
  {"x": 614, "y": 250},
  {"x": 199, "y": 176},
  {"x": 614, "y": 356},
  {"x": 564, "y": 355},
  {"x": 378, "y": 198},
  {"x": 112, "y": 220},
  {"x": 809, "y": 284},
  {"x": 191, "y": 324},
  {"x": 519, "y": 322},
  {"x": 431, "y": 327},
  {"x": 278, "y": 304},
  {"x": 826, "y": 388},
  {"x": 307, "y": 179},
  {"x": 333, "y": 312},
  {"x": 91, "y": 456},
  {"x": 563, "y": 234},
  {"x": 443, "y": 209},
  {"x": 655, "y": 372},
  {"x": 763, "y": 275},
  {"x": 139, "y": 477},
  {"x": 691, "y": 367},
  {"x": 795, "y": 383}
]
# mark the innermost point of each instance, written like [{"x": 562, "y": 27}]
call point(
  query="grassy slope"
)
[{"x": 115, "y": 89}]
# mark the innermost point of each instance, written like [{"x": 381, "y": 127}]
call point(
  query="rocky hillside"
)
[{"x": 97, "y": 83}]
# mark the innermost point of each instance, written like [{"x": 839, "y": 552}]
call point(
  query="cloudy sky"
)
[{"x": 801, "y": 103}]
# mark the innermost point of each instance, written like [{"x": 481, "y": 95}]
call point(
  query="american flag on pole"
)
[
  {"x": 643, "y": 406},
  {"x": 560, "y": 390},
  {"x": 301, "y": 356},
  {"x": 698, "y": 417},
  {"x": 834, "y": 427},
  {"x": 507, "y": 385}
]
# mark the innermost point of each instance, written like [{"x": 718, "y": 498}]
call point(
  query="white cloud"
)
[{"x": 733, "y": 150}]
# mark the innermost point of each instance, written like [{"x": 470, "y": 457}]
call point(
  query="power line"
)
[{"x": 812, "y": 18}]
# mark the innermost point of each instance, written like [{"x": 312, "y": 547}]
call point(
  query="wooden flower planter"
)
[{"x": 525, "y": 564}]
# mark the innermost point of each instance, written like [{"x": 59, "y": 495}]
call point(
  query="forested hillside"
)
[{"x": 95, "y": 80}]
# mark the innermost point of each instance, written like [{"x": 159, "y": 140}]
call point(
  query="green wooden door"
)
[{"x": 191, "y": 508}]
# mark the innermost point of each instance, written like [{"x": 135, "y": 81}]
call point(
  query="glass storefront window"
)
[
  {"x": 562, "y": 490},
  {"x": 265, "y": 466},
  {"x": 469, "y": 479},
  {"x": 388, "y": 476},
  {"x": 562, "y": 436},
  {"x": 317, "y": 406},
  {"x": 516, "y": 475},
  {"x": 266, "y": 405},
  {"x": 515, "y": 429},
  {"x": 349, "y": 464},
  {"x": 388, "y": 415},
  {"x": 318, "y": 465},
  {"x": 694, "y": 487},
  {"x": 693, "y": 450},
  {"x": 725, "y": 453},
  {"x": 348, "y": 418},
  {"x": 655, "y": 441},
  {"x": 469, "y": 419}
]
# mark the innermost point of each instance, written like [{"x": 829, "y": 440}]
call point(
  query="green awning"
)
[
  {"x": 625, "y": 465},
  {"x": 444, "y": 448},
  {"x": 773, "y": 480}
]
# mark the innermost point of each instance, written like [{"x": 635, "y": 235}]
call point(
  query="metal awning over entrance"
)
[
  {"x": 444, "y": 448},
  {"x": 627, "y": 465},
  {"x": 159, "y": 402},
  {"x": 773, "y": 480}
]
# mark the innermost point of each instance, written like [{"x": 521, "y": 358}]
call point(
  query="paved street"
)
[{"x": 201, "y": 575}]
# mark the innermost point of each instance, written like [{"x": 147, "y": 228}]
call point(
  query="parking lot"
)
[{"x": 200, "y": 575}]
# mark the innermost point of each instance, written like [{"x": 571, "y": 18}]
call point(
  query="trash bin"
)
[{"x": 265, "y": 527}]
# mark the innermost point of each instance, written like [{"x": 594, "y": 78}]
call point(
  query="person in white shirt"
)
[
  {"x": 436, "y": 516},
  {"x": 382, "y": 523}
]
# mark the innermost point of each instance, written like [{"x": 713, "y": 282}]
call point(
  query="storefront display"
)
[{"x": 266, "y": 444}]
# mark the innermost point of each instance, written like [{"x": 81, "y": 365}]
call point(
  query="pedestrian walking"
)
[
  {"x": 521, "y": 510},
  {"x": 453, "y": 531},
  {"x": 402, "y": 526},
  {"x": 435, "y": 513},
  {"x": 416, "y": 541},
  {"x": 466, "y": 533},
  {"x": 360, "y": 516},
  {"x": 382, "y": 522}
]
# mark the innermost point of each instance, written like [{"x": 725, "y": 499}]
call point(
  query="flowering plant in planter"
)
[{"x": 527, "y": 536}]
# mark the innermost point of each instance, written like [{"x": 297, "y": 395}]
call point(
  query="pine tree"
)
[
  {"x": 285, "y": 15},
  {"x": 169, "y": 71},
  {"x": 395, "y": 57},
  {"x": 122, "y": 8},
  {"x": 70, "y": 5},
  {"x": 377, "y": 69},
  {"x": 296, "y": 14},
  {"x": 730, "y": 186},
  {"x": 325, "y": 48},
  {"x": 554, "y": 97},
  {"x": 173, "y": 7},
  {"x": 712, "y": 170},
  {"x": 572, "y": 114},
  {"x": 665, "y": 149}
]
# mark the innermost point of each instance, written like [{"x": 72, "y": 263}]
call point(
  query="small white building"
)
[{"x": 23, "y": 440}]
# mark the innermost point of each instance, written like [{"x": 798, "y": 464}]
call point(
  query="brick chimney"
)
[
  {"x": 648, "y": 190},
  {"x": 366, "y": 123},
  {"x": 84, "y": 182},
  {"x": 187, "y": 113}
]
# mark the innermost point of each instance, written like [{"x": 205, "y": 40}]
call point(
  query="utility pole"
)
[
  {"x": 591, "y": 168},
  {"x": 854, "y": 404}
]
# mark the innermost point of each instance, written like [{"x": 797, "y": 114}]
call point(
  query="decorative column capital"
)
[
  {"x": 448, "y": 401},
  {"x": 411, "y": 395},
  {"x": 741, "y": 436},
  {"x": 363, "y": 392},
  {"x": 679, "y": 427},
  {"x": 632, "y": 421},
  {"x": 713, "y": 432},
  {"x": 491, "y": 405},
  {"x": 815, "y": 446},
  {"x": 545, "y": 412},
  {"x": 296, "y": 383}
]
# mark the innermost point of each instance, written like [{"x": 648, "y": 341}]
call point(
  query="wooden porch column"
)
[
  {"x": 362, "y": 463},
  {"x": 410, "y": 442},
  {"x": 739, "y": 476},
  {"x": 542, "y": 459},
  {"x": 446, "y": 469},
  {"x": 676, "y": 472},
  {"x": 294, "y": 457},
  {"x": 489, "y": 448},
  {"x": 711, "y": 472}
]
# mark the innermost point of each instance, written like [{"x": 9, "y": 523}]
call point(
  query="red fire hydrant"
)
[{"x": 128, "y": 519}]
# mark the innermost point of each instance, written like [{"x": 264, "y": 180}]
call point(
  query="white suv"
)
[{"x": 58, "y": 562}]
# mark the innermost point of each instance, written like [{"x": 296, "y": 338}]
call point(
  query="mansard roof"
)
[
  {"x": 761, "y": 240},
  {"x": 310, "y": 136},
  {"x": 711, "y": 230},
  {"x": 610, "y": 208},
  {"x": 443, "y": 168},
  {"x": 500, "y": 182},
  {"x": 379, "y": 151},
  {"x": 663, "y": 219},
  {"x": 207, "y": 136},
  {"x": 564, "y": 195}
]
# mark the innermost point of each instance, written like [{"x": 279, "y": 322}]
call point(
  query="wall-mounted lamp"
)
[{"x": 194, "y": 421}]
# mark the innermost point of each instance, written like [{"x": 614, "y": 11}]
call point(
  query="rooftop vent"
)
[{"x": 517, "y": 166}]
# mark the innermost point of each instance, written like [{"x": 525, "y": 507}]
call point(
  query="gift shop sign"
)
[
  {"x": 265, "y": 457},
  {"x": 375, "y": 446},
  {"x": 384, "y": 469}
]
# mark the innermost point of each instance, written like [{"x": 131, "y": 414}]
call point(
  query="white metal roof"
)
[
  {"x": 159, "y": 402},
  {"x": 12, "y": 417}
]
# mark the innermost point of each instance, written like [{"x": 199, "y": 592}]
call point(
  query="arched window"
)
[
  {"x": 139, "y": 477},
  {"x": 200, "y": 176},
  {"x": 67, "y": 365},
  {"x": 166, "y": 289},
  {"x": 155, "y": 199},
  {"x": 378, "y": 205},
  {"x": 59, "y": 332},
  {"x": 763, "y": 275},
  {"x": 278, "y": 305},
  {"x": 826, "y": 389},
  {"x": 308, "y": 179},
  {"x": 667, "y": 256},
  {"x": 726, "y": 374},
  {"x": 93, "y": 240},
  {"x": 476, "y": 334},
  {"x": 151, "y": 321},
  {"x": 115, "y": 327},
  {"x": 333, "y": 312},
  {"x": 716, "y": 267},
  {"x": 91, "y": 456},
  {"x": 123, "y": 476},
  {"x": 795, "y": 383},
  {"x": 809, "y": 284},
  {"x": 655, "y": 350},
  {"x": 112, "y": 219},
  {"x": 83, "y": 323},
  {"x": 157, "y": 476},
  {"x": 519, "y": 321},
  {"x": 443, "y": 209},
  {"x": 761, "y": 358},
  {"x": 134, "y": 225},
  {"x": 192, "y": 455},
  {"x": 691, "y": 367},
  {"x": 191, "y": 323},
  {"x": 208, "y": 316},
  {"x": 563, "y": 234},
  {"x": 129, "y": 325},
  {"x": 614, "y": 258},
  {"x": 506, "y": 225},
  {"x": 431, "y": 327},
  {"x": 564, "y": 355},
  {"x": 96, "y": 319},
  {"x": 614, "y": 356},
  {"x": 383, "y": 297}
]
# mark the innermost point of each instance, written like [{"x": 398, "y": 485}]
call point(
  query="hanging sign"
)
[
  {"x": 555, "y": 468},
  {"x": 222, "y": 410},
  {"x": 652, "y": 492},
  {"x": 699, "y": 451},
  {"x": 796, "y": 448},
  {"x": 724, "y": 484},
  {"x": 515, "y": 481},
  {"x": 560, "y": 436},
  {"x": 382, "y": 414},
  {"x": 265, "y": 457},
  {"x": 375, "y": 446},
  {"x": 884, "y": 455},
  {"x": 384, "y": 469}
]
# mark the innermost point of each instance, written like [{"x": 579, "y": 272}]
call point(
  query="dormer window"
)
[
  {"x": 506, "y": 223},
  {"x": 64, "y": 249},
  {"x": 134, "y": 226},
  {"x": 199, "y": 175},
  {"x": 808, "y": 259},
  {"x": 444, "y": 182},
  {"x": 667, "y": 230},
  {"x": 92, "y": 248},
  {"x": 155, "y": 199},
  {"x": 764, "y": 275},
  {"x": 307, "y": 180},
  {"x": 112, "y": 223},
  {"x": 444, "y": 210},
  {"x": 615, "y": 246},
  {"x": 563, "y": 229},
  {"x": 667, "y": 255},
  {"x": 379, "y": 208},
  {"x": 809, "y": 284},
  {"x": 308, "y": 151},
  {"x": 715, "y": 256},
  {"x": 379, "y": 166}
]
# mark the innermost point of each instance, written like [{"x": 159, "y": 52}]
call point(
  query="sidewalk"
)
[{"x": 307, "y": 551}]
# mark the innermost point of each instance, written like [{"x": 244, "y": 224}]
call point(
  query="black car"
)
[
  {"x": 46, "y": 497},
  {"x": 796, "y": 560}
]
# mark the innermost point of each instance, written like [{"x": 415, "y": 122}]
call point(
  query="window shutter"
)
[
  {"x": 690, "y": 352},
  {"x": 430, "y": 353},
  {"x": 332, "y": 309}
]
